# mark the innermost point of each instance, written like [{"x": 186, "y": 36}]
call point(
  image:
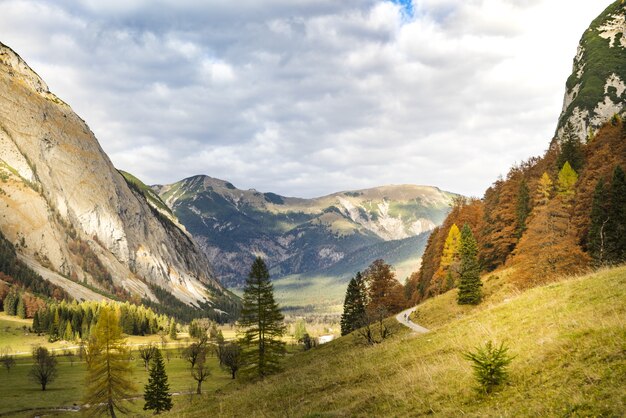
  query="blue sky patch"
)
[{"x": 407, "y": 6}]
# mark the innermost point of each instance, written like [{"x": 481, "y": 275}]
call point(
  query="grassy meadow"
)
[
  {"x": 568, "y": 339},
  {"x": 22, "y": 397}
]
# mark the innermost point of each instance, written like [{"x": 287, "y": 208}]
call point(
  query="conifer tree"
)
[
  {"x": 353, "y": 305},
  {"x": 469, "y": 280},
  {"x": 36, "y": 325},
  {"x": 544, "y": 189},
  {"x": 449, "y": 264},
  {"x": 570, "y": 149},
  {"x": 21, "y": 307},
  {"x": 523, "y": 207},
  {"x": 567, "y": 180},
  {"x": 172, "y": 331},
  {"x": 598, "y": 232},
  {"x": 616, "y": 245},
  {"x": 261, "y": 322},
  {"x": 108, "y": 369},
  {"x": 156, "y": 392}
]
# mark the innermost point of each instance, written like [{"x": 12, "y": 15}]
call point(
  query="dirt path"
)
[{"x": 403, "y": 318}]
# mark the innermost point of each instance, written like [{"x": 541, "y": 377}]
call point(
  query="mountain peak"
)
[{"x": 596, "y": 89}]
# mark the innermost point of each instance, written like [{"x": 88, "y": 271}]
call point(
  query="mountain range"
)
[{"x": 299, "y": 236}]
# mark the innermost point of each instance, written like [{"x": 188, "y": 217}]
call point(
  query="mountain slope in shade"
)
[
  {"x": 300, "y": 236},
  {"x": 68, "y": 210}
]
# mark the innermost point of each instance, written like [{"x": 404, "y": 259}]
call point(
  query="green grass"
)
[
  {"x": 569, "y": 340},
  {"x": 19, "y": 393}
]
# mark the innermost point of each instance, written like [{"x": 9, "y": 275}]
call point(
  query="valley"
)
[{"x": 196, "y": 298}]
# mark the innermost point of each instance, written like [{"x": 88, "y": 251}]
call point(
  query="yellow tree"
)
[
  {"x": 448, "y": 266},
  {"x": 108, "y": 380},
  {"x": 567, "y": 180},
  {"x": 544, "y": 189}
]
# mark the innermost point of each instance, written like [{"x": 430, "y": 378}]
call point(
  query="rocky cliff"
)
[
  {"x": 596, "y": 89},
  {"x": 67, "y": 209}
]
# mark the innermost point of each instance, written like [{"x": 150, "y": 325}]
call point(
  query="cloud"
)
[{"x": 307, "y": 97}]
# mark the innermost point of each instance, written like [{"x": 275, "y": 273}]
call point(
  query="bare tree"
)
[
  {"x": 7, "y": 359},
  {"x": 195, "y": 352},
  {"x": 200, "y": 372},
  {"x": 147, "y": 352},
  {"x": 44, "y": 369},
  {"x": 70, "y": 355},
  {"x": 374, "y": 329}
]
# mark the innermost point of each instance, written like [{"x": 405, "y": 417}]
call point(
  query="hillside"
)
[
  {"x": 570, "y": 200},
  {"x": 568, "y": 339},
  {"x": 73, "y": 217},
  {"x": 339, "y": 233}
]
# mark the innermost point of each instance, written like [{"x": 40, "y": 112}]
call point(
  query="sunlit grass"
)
[{"x": 568, "y": 339}]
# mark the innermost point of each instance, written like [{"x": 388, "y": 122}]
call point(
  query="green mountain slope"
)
[
  {"x": 568, "y": 339},
  {"x": 596, "y": 88},
  {"x": 333, "y": 235}
]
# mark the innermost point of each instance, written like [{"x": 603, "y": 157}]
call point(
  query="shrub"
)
[{"x": 489, "y": 364}]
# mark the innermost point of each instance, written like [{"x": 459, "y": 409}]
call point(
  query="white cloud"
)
[{"x": 311, "y": 96}]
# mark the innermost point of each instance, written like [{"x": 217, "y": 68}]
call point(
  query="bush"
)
[{"x": 489, "y": 364}]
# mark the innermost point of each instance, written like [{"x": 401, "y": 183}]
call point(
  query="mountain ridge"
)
[
  {"x": 68, "y": 209},
  {"x": 298, "y": 235}
]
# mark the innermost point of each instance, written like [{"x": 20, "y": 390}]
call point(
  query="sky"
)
[{"x": 308, "y": 97}]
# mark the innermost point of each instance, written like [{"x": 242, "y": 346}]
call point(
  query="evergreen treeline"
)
[
  {"x": 553, "y": 215},
  {"x": 75, "y": 321},
  {"x": 19, "y": 274},
  {"x": 221, "y": 309}
]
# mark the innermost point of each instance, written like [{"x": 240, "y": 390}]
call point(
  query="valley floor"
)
[{"x": 568, "y": 339}]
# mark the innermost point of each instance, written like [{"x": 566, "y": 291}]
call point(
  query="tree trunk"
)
[
  {"x": 233, "y": 373},
  {"x": 111, "y": 410},
  {"x": 199, "y": 391}
]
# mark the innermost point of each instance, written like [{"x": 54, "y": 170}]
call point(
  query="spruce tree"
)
[
  {"x": 261, "y": 322},
  {"x": 616, "y": 243},
  {"x": 570, "y": 149},
  {"x": 598, "y": 232},
  {"x": 469, "y": 274},
  {"x": 156, "y": 391},
  {"x": 21, "y": 307},
  {"x": 353, "y": 305},
  {"x": 523, "y": 207},
  {"x": 172, "y": 332}
]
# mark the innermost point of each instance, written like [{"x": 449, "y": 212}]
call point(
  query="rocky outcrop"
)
[
  {"x": 596, "y": 90},
  {"x": 65, "y": 205}
]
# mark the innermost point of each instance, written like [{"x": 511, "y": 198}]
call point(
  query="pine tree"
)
[
  {"x": 570, "y": 149},
  {"x": 544, "y": 189},
  {"x": 156, "y": 391},
  {"x": 597, "y": 237},
  {"x": 36, "y": 325},
  {"x": 108, "y": 369},
  {"x": 567, "y": 180},
  {"x": 353, "y": 305},
  {"x": 172, "y": 331},
  {"x": 523, "y": 207},
  {"x": 10, "y": 304},
  {"x": 469, "y": 280},
  {"x": 616, "y": 243},
  {"x": 20, "y": 310},
  {"x": 262, "y": 323}
]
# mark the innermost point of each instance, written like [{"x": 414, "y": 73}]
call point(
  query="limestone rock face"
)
[
  {"x": 596, "y": 90},
  {"x": 62, "y": 202}
]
